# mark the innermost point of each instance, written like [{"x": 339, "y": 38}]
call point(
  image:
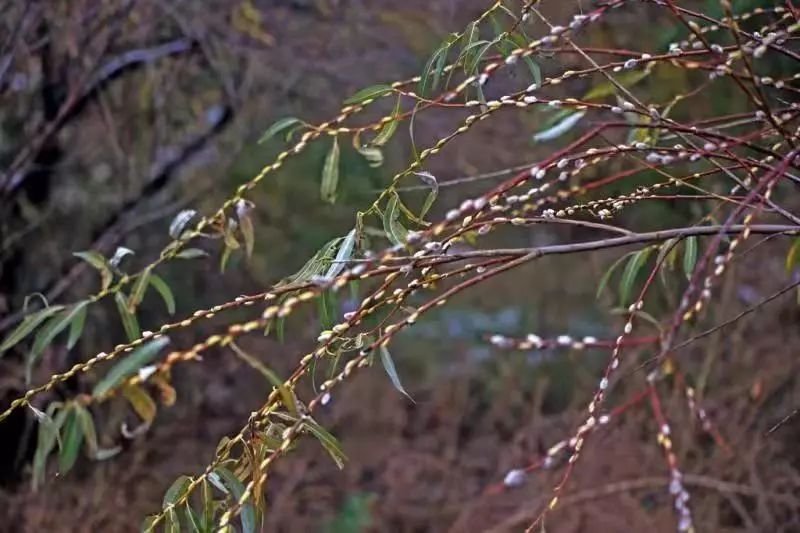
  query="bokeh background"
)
[{"x": 116, "y": 114}]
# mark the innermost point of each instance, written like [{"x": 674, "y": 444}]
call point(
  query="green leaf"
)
[
  {"x": 286, "y": 395},
  {"x": 429, "y": 180},
  {"x": 49, "y": 434},
  {"x": 343, "y": 255},
  {"x": 166, "y": 293},
  {"x": 278, "y": 127},
  {"x": 138, "y": 290},
  {"x": 176, "y": 491},
  {"x": 635, "y": 263},
  {"x": 141, "y": 401},
  {"x": 607, "y": 276},
  {"x": 690, "y": 256},
  {"x": 54, "y": 326},
  {"x": 28, "y": 324},
  {"x": 559, "y": 129},
  {"x": 330, "y": 173},
  {"x": 792, "y": 256},
  {"x": 129, "y": 321},
  {"x": 318, "y": 263},
  {"x": 435, "y": 66},
  {"x": 248, "y": 513},
  {"x": 73, "y": 438},
  {"x": 87, "y": 427},
  {"x": 368, "y": 93},
  {"x": 391, "y": 371},
  {"x": 76, "y": 326},
  {"x": 130, "y": 365},
  {"x": 626, "y": 79},
  {"x": 193, "y": 519},
  {"x": 99, "y": 263},
  {"x": 395, "y": 231},
  {"x": 328, "y": 441},
  {"x": 389, "y": 128}
]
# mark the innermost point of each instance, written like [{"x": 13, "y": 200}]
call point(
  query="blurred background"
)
[{"x": 117, "y": 114}]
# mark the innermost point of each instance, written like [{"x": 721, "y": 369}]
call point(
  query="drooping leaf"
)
[
  {"x": 53, "y": 327},
  {"x": 99, "y": 263},
  {"x": 129, "y": 321},
  {"x": 47, "y": 438},
  {"x": 244, "y": 211},
  {"x": 73, "y": 438},
  {"x": 286, "y": 395},
  {"x": 328, "y": 441},
  {"x": 793, "y": 256},
  {"x": 180, "y": 221},
  {"x": 391, "y": 371},
  {"x": 607, "y": 276},
  {"x": 28, "y": 324},
  {"x": 343, "y": 255},
  {"x": 119, "y": 254},
  {"x": 247, "y": 514},
  {"x": 559, "y": 129},
  {"x": 389, "y": 128},
  {"x": 318, "y": 264},
  {"x": 429, "y": 180},
  {"x": 635, "y": 263},
  {"x": 278, "y": 127},
  {"x": 141, "y": 401},
  {"x": 129, "y": 365},
  {"x": 76, "y": 326},
  {"x": 138, "y": 290},
  {"x": 395, "y": 231},
  {"x": 626, "y": 79},
  {"x": 176, "y": 491},
  {"x": 87, "y": 427},
  {"x": 690, "y": 256},
  {"x": 330, "y": 173},
  {"x": 166, "y": 293},
  {"x": 368, "y": 93}
]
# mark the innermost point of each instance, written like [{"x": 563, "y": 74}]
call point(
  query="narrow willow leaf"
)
[
  {"x": 389, "y": 128},
  {"x": 429, "y": 180},
  {"x": 368, "y": 93},
  {"x": 76, "y": 326},
  {"x": 244, "y": 210},
  {"x": 559, "y": 129},
  {"x": 51, "y": 329},
  {"x": 395, "y": 231},
  {"x": 147, "y": 524},
  {"x": 626, "y": 79},
  {"x": 28, "y": 324},
  {"x": 328, "y": 441},
  {"x": 286, "y": 395},
  {"x": 343, "y": 255},
  {"x": 87, "y": 426},
  {"x": 192, "y": 518},
  {"x": 191, "y": 253},
  {"x": 318, "y": 263},
  {"x": 129, "y": 365},
  {"x": 667, "y": 253},
  {"x": 176, "y": 491},
  {"x": 129, "y": 321},
  {"x": 793, "y": 256},
  {"x": 236, "y": 488},
  {"x": 166, "y": 293},
  {"x": 99, "y": 263},
  {"x": 73, "y": 438},
  {"x": 607, "y": 276},
  {"x": 138, "y": 290},
  {"x": 472, "y": 62},
  {"x": 391, "y": 371},
  {"x": 278, "y": 127},
  {"x": 208, "y": 505},
  {"x": 330, "y": 173},
  {"x": 180, "y": 221},
  {"x": 635, "y": 263},
  {"x": 47, "y": 438},
  {"x": 141, "y": 401},
  {"x": 690, "y": 256}
]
